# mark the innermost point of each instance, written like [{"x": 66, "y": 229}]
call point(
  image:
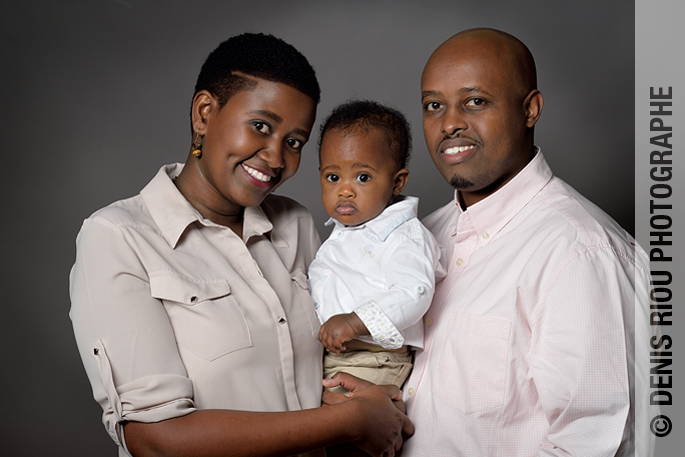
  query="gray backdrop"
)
[{"x": 96, "y": 97}]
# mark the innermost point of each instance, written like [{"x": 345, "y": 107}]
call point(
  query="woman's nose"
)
[{"x": 273, "y": 155}]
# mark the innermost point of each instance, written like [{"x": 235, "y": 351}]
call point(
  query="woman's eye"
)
[
  {"x": 332, "y": 178},
  {"x": 295, "y": 144},
  {"x": 262, "y": 127},
  {"x": 363, "y": 177},
  {"x": 432, "y": 106}
]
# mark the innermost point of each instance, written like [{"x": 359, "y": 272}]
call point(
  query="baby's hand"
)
[{"x": 340, "y": 329}]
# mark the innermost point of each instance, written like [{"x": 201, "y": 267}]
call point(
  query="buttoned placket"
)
[
  {"x": 270, "y": 298},
  {"x": 466, "y": 241}
]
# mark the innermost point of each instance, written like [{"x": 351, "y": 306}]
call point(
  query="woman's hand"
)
[
  {"x": 391, "y": 420},
  {"x": 382, "y": 426}
]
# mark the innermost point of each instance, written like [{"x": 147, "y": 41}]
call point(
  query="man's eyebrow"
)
[
  {"x": 479, "y": 89},
  {"x": 428, "y": 93},
  {"x": 463, "y": 90}
]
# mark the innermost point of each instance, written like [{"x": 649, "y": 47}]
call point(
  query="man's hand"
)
[{"x": 340, "y": 329}]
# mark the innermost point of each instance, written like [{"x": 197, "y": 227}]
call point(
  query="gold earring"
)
[{"x": 197, "y": 146}]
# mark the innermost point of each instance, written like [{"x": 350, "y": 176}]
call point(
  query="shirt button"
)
[
  {"x": 281, "y": 321},
  {"x": 429, "y": 322},
  {"x": 486, "y": 235},
  {"x": 339, "y": 234},
  {"x": 420, "y": 289},
  {"x": 460, "y": 262},
  {"x": 193, "y": 299},
  {"x": 411, "y": 391}
]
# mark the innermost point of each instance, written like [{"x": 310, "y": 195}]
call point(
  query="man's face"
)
[{"x": 474, "y": 117}]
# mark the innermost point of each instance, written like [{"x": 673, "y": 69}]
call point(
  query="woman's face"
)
[{"x": 252, "y": 144}]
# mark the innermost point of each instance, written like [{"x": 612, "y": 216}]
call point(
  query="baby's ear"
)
[{"x": 399, "y": 181}]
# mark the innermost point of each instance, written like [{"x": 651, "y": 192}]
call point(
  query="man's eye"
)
[
  {"x": 262, "y": 127},
  {"x": 332, "y": 178},
  {"x": 295, "y": 144},
  {"x": 475, "y": 102},
  {"x": 363, "y": 177},
  {"x": 432, "y": 106}
]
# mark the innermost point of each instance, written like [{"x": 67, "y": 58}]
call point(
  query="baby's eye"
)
[
  {"x": 262, "y": 127},
  {"x": 363, "y": 177},
  {"x": 332, "y": 177},
  {"x": 295, "y": 143},
  {"x": 432, "y": 106}
]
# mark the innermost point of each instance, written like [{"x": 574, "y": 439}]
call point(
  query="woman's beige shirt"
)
[{"x": 174, "y": 313}]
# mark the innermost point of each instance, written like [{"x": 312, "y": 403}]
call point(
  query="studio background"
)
[{"x": 96, "y": 97}]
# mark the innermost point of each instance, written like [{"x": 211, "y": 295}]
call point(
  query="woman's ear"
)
[
  {"x": 203, "y": 104},
  {"x": 400, "y": 180}
]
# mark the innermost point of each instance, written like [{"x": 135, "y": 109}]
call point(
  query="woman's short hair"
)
[{"x": 258, "y": 55}]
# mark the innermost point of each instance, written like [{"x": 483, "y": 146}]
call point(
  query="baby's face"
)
[{"x": 358, "y": 175}]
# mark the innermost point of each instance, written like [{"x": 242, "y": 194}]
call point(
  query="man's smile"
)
[{"x": 457, "y": 150}]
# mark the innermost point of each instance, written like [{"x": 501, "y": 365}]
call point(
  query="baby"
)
[{"x": 373, "y": 278}]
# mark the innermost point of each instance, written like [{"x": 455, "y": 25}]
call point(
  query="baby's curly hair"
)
[{"x": 366, "y": 115}]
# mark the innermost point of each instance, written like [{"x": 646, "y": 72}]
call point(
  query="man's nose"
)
[{"x": 453, "y": 121}]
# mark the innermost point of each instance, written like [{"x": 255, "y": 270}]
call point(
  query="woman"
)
[{"x": 189, "y": 300}]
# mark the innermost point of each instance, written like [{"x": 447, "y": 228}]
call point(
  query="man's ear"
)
[
  {"x": 533, "y": 106},
  {"x": 400, "y": 180},
  {"x": 203, "y": 104}
]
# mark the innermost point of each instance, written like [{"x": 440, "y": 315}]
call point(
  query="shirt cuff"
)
[
  {"x": 147, "y": 399},
  {"x": 382, "y": 330}
]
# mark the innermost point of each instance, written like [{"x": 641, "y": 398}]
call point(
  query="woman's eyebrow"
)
[
  {"x": 278, "y": 119},
  {"x": 270, "y": 114}
]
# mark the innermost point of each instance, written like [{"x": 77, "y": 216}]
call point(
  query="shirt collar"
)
[
  {"x": 403, "y": 209},
  {"x": 492, "y": 213},
  {"x": 255, "y": 223},
  {"x": 173, "y": 213}
]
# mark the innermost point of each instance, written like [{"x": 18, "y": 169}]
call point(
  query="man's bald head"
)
[{"x": 513, "y": 57}]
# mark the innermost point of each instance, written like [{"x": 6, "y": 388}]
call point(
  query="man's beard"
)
[{"x": 461, "y": 183}]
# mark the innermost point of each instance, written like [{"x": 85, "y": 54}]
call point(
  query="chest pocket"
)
[
  {"x": 476, "y": 357},
  {"x": 206, "y": 319}
]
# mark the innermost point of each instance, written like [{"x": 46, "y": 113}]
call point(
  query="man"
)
[{"x": 529, "y": 340}]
